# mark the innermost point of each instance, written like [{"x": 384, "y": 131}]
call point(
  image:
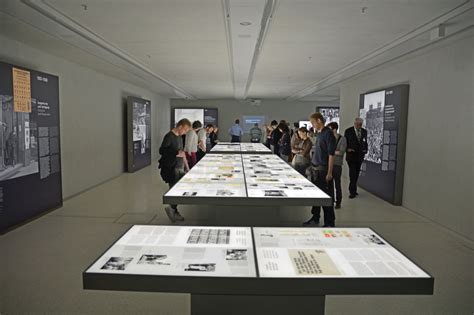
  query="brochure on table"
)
[
  {"x": 270, "y": 177},
  {"x": 331, "y": 252},
  {"x": 214, "y": 176},
  {"x": 180, "y": 251}
]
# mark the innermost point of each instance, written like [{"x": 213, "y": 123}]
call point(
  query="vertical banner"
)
[{"x": 21, "y": 91}]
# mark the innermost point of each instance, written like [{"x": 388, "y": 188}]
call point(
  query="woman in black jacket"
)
[{"x": 284, "y": 144}]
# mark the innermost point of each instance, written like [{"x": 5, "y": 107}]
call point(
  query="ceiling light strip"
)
[
  {"x": 336, "y": 76},
  {"x": 228, "y": 35},
  {"x": 268, "y": 13},
  {"x": 50, "y": 12}
]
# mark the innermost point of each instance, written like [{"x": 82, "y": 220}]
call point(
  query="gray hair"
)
[{"x": 359, "y": 120}]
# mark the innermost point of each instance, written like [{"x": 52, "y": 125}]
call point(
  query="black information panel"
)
[
  {"x": 138, "y": 133},
  {"x": 30, "y": 160},
  {"x": 385, "y": 118}
]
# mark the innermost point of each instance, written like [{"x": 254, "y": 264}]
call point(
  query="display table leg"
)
[{"x": 256, "y": 305}]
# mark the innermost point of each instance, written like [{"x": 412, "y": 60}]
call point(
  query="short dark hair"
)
[
  {"x": 303, "y": 129},
  {"x": 296, "y": 124},
  {"x": 184, "y": 122},
  {"x": 274, "y": 123},
  {"x": 197, "y": 124},
  {"x": 209, "y": 126},
  {"x": 317, "y": 116},
  {"x": 237, "y": 121},
  {"x": 333, "y": 125},
  {"x": 283, "y": 127}
]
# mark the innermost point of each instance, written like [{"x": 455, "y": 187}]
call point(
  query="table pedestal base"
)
[{"x": 256, "y": 305}]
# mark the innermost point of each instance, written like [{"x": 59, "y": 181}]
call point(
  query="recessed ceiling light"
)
[{"x": 245, "y": 23}]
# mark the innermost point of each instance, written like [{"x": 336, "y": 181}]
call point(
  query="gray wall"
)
[
  {"x": 230, "y": 109},
  {"x": 438, "y": 180},
  {"x": 92, "y": 116}
]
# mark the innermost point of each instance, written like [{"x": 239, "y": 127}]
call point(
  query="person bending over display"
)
[
  {"x": 320, "y": 171},
  {"x": 173, "y": 163}
]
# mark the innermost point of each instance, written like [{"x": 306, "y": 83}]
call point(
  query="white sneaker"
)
[
  {"x": 178, "y": 216},
  {"x": 171, "y": 213}
]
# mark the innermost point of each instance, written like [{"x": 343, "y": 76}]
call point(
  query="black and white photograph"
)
[
  {"x": 275, "y": 193},
  {"x": 372, "y": 114},
  {"x": 190, "y": 193},
  {"x": 330, "y": 114},
  {"x": 236, "y": 254},
  {"x": 117, "y": 263},
  {"x": 201, "y": 267},
  {"x": 225, "y": 192},
  {"x": 153, "y": 260},
  {"x": 18, "y": 141},
  {"x": 141, "y": 123}
]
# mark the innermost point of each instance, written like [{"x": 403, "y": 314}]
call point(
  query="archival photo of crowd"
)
[
  {"x": 18, "y": 141},
  {"x": 372, "y": 114}
]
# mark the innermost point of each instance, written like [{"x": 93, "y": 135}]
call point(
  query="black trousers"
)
[
  {"x": 336, "y": 175},
  {"x": 235, "y": 139},
  {"x": 178, "y": 174},
  {"x": 200, "y": 154},
  {"x": 354, "y": 170},
  {"x": 319, "y": 179}
]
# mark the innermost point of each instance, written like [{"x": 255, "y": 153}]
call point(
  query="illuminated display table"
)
[
  {"x": 245, "y": 180},
  {"x": 243, "y": 147},
  {"x": 242, "y": 270}
]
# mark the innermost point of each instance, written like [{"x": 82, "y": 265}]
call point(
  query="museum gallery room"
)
[{"x": 214, "y": 157}]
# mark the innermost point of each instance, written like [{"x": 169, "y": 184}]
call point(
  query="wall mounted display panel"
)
[
  {"x": 248, "y": 122},
  {"x": 204, "y": 115},
  {"x": 385, "y": 118},
  {"x": 30, "y": 158},
  {"x": 197, "y": 251},
  {"x": 330, "y": 114},
  {"x": 138, "y": 133},
  {"x": 330, "y": 253}
]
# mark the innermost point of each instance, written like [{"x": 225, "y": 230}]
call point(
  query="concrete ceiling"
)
[{"x": 200, "y": 49}]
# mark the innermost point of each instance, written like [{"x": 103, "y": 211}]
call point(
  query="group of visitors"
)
[
  {"x": 316, "y": 153},
  {"x": 178, "y": 158}
]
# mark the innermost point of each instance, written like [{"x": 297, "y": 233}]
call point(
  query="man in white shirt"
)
[{"x": 191, "y": 143}]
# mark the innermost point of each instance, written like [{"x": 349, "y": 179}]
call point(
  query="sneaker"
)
[
  {"x": 311, "y": 221},
  {"x": 338, "y": 206},
  {"x": 352, "y": 196},
  {"x": 170, "y": 212},
  {"x": 178, "y": 216}
]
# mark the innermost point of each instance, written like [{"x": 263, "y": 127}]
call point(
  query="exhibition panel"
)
[
  {"x": 180, "y": 251},
  {"x": 30, "y": 154},
  {"x": 247, "y": 179},
  {"x": 244, "y": 148},
  {"x": 138, "y": 133},
  {"x": 385, "y": 114},
  {"x": 221, "y": 268},
  {"x": 329, "y": 252},
  {"x": 204, "y": 115}
]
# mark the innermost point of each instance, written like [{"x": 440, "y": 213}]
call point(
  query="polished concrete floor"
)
[{"x": 41, "y": 262}]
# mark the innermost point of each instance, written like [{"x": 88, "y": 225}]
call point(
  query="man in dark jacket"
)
[
  {"x": 320, "y": 171},
  {"x": 173, "y": 163},
  {"x": 356, "y": 149}
]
